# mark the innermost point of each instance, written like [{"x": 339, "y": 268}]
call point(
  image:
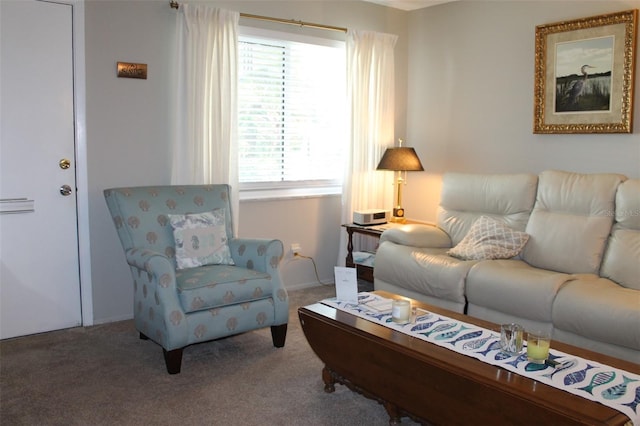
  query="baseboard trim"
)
[
  {"x": 112, "y": 319},
  {"x": 302, "y": 286}
]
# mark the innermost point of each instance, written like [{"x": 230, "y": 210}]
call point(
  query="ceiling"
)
[{"x": 409, "y": 4}]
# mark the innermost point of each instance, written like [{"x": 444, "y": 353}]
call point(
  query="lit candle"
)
[
  {"x": 538, "y": 348},
  {"x": 400, "y": 310}
]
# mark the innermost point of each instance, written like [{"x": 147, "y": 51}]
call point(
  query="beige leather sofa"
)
[{"x": 578, "y": 275}]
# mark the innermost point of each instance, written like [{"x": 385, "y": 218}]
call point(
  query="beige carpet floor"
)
[{"x": 106, "y": 375}]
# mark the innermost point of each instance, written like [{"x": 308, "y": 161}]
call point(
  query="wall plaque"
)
[{"x": 131, "y": 70}]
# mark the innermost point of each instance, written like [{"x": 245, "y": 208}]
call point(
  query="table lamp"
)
[{"x": 400, "y": 159}]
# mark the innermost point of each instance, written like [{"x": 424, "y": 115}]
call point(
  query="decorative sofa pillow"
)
[
  {"x": 489, "y": 238},
  {"x": 201, "y": 239}
]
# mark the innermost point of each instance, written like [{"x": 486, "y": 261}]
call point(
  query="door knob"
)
[
  {"x": 65, "y": 190},
  {"x": 64, "y": 163}
]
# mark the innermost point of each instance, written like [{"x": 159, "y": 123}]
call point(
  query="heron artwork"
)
[{"x": 574, "y": 90}]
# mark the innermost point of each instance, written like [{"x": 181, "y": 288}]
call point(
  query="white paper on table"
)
[
  {"x": 346, "y": 284},
  {"x": 382, "y": 305}
]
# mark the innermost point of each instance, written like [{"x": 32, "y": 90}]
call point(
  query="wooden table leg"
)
[
  {"x": 329, "y": 380},
  {"x": 394, "y": 414},
  {"x": 349, "y": 260}
]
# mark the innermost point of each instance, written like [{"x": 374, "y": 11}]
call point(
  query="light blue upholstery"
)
[{"x": 177, "y": 308}]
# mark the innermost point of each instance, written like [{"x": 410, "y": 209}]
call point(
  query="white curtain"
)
[
  {"x": 205, "y": 143},
  {"x": 370, "y": 83}
]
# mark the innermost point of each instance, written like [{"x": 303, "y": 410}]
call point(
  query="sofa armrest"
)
[{"x": 416, "y": 235}]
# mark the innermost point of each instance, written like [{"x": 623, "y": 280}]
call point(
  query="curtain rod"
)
[{"x": 175, "y": 5}]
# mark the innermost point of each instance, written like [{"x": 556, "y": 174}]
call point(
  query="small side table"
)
[{"x": 364, "y": 272}]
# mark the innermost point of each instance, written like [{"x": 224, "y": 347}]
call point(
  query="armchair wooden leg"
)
[
  {"x": 279, "y": 335},
  {"x": 173, "y": 360}
]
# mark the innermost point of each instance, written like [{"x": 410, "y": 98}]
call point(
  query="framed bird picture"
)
[{"x": 584, "y": 75}]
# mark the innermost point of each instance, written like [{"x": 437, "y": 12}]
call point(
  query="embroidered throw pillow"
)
[
  {"x": 489, "y": 238},
  {"x": 201, "y": 239}
]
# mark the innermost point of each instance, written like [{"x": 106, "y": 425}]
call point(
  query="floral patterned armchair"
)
[{"x": 177, "y": 305}]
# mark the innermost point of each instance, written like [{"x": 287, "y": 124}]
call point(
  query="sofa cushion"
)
[
  {"x": 428, "y": 271},
  {"x": 599, "y": 309},
  {"x": 489, "y": 238},
  {"x": 466, "y": 197},
  {"x": 571, "y": 221},
  {"x": 514, "y": 288},
  {"x": 212, "y": 286},
  {"x": 621, "y": 259},
  {"x": 201, "y": 239}
]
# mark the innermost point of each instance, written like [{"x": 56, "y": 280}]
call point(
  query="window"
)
[{"x": 291, "y": 114}]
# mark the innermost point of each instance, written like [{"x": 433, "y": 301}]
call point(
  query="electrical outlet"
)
[{"x": 295, "y": 249}]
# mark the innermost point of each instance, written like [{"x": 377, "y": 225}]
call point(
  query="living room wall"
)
[
  {"x": 470, "y": 103},
  {"x": 129, "y": 127},
  {"x": 464, "y": 100}
]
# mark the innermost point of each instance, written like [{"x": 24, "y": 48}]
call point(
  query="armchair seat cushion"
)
[{"x": 212, "y": 286}]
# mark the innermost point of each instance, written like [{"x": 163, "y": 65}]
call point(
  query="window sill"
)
[{"x": 289, "y": 193}]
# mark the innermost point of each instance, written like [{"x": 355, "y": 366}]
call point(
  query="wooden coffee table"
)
[{"x": 434, "y": 385}]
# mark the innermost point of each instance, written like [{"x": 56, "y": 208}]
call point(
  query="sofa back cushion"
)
[
  {"x": 571, "y": 221},
  {"x": 466, "y": 197},
  {"x": 621, "y": 259},
  {"x": 141, "y": 214}
]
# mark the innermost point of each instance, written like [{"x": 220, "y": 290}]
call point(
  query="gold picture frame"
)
[{"x": 584, "y": 75}]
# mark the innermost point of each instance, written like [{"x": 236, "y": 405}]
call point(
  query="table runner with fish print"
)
[{"x": 613, "y": 387}]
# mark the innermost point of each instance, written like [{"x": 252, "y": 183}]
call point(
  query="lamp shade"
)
[{"x": 400, "y": 159}]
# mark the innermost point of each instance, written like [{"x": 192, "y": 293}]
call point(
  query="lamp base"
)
[{"x": 398, "y": 215}]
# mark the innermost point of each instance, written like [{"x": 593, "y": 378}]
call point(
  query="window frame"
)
[{"x": 291, "y": 188}]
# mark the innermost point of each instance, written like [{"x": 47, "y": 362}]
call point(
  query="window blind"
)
[{"x": 291, "y": 111}]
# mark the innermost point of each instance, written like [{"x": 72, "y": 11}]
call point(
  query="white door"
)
[{"x": 39, "y": 267}]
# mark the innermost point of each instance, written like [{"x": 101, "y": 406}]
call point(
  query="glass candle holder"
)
[
  {"x": 538, "y": 343},
  {"x": 400, "y": 311},
  {"x": 414, "y": 314},
  {"x": 511, "y": 338}
]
